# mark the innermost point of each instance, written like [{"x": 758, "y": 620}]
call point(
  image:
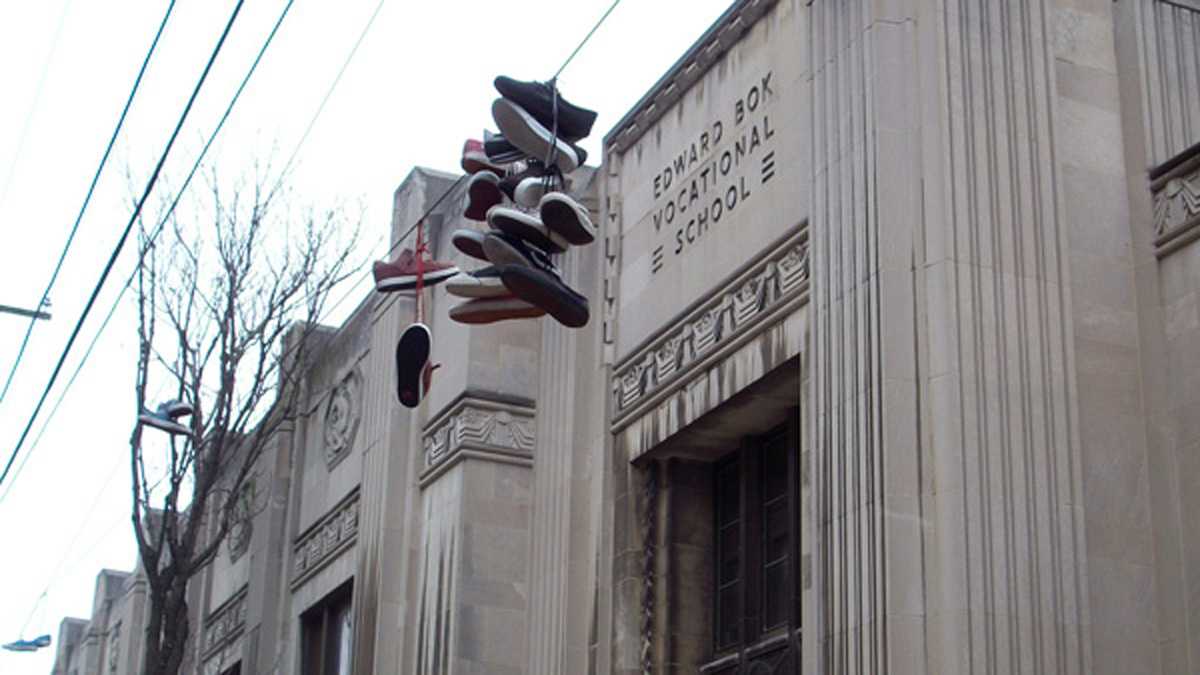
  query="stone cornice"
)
[
  {"x": 1175, "y": 187},
  {"x": 711, "y": 46},
  {"x": 320, "y": 544},
  {"x": 768, "y": 287},
  {"x": 480, "y": 428}
]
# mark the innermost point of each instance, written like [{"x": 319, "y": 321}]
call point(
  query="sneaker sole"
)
[
  {"x": 500, "y": 253},
  {"x": 491, "y": 310},
  {"x": 560, "y": 217},
  {"x": 412, "y": 353},
  {"x": 403, "y": 283},
  {"x": 477, "y": 290},
  {"x": 509, "y": 223},
  {"x": 527, "y": 134},
  {"x": 163, "y": 425},
  {"x": 470, "y": 242},
  {"x": 482, "y": 194},
  {"x": 541, "y": 290}
]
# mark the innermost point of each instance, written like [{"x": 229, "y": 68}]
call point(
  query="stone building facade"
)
[{"x": 892, "y": 368}]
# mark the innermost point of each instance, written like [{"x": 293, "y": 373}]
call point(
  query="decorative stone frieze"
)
[
  {"x": 343, "y": 412},
  {"x": 476, "y": 427},
  {"x": 323, "y": 542},
  {"x": 1176, "y": 189},
  {"x": 225, "y": 623},
  {"x": 778, "y": 280},
  {"x": 694, "y": 64},
  {"x": 241, "y": 527}
]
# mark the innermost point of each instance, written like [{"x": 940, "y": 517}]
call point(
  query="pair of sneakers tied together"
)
[{"x": 518, "y": 187}]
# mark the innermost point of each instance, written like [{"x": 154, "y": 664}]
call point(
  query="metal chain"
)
[{"x": 650, "y": 501}]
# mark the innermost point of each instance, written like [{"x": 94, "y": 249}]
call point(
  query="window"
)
[
  {"x": 327, "y": 635},
  {"x": 756, "y": 614}
]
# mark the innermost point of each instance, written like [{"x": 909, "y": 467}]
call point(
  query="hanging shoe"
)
[
  {"x": 548, "y": 292},
  {"x": 469, "y": 242},
  {"x": 506, "y": 249},
  {"x": 41, "y": 641},
  {"x": 499, "y": 150},
  {"x": 524, "y": 187},
  {"x": 526, "y": 226},
  {"x": 21, "y": 646},
  {"x": 526, "y": 133},
  {"x": 402, "y": 274},
  {"x": 161, "y": 418},
  {"x": 567, "y": 218},
  {"x": 539, "y": 99},
  {"x": 483, "y": 192},
  {"x": 176, "y": 409},
  {"x": 412, "y": 360},
  {"x": 481, "y": 283},
  {"x": 475, "y": 158},
  {"x": 491, "y": 310}
]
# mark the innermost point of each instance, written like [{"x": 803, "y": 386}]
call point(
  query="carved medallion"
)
[{"x": 343, "y": 412}]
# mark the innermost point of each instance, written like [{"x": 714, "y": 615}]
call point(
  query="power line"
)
[
  {"x": 587, "y": 37},
  {"x": 121, "y": 243},
  {"x": 88, "y": 198},
  {"x": 158, "y": 228}
]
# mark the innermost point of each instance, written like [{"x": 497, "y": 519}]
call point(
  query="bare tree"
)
[{"x": 228, "y": 308}]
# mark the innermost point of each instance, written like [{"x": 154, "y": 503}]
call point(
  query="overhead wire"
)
[
  {"x": 87, "y": 199},
  {"x": 121, "y": 242},
  {"x": 441, "y": 198},
  {"x": 158, "y": 228}
]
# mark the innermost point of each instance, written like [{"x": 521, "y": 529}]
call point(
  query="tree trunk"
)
[{"x": 167, "y": 628}]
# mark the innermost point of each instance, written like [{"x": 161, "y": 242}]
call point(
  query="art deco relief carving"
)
[
  {"x": 343, "y": 412},
  {"x": 773, "y": 281},
  {"x": 1176, "y": 193},
  {"x": 241, "y": 515},
  {"x": 225, "y": 623},
  {"x": 482, "y": 426},
  {"x": 321, "y": 543}
]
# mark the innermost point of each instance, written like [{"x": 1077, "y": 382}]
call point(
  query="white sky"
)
[{"x": 419, "y": 85}]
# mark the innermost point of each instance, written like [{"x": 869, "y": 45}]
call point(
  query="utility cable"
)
[
  {"x": 121, "y": 243},
  {"x": 587, "y": 37},
  {"x": 87, "y": 199},
  {"x": 158, "y": 228}
]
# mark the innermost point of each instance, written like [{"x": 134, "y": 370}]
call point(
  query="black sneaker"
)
[
  {"x": 526, "y": 226},
  {"x": 567, "y": 218},
  {"x": 505, "y": 249},
  {"x": 531, "y": 136},
  {"x": 538, "y": 98},
  {"x": 547, "y": 292},
  {"x": 412, "y": 357},
  {"x": 499, "y": 150}
]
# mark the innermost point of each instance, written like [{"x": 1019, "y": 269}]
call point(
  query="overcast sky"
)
[{"x": 419, "y": 85}]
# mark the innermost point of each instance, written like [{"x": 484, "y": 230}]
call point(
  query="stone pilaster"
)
[{"x": 947, "y": 478}]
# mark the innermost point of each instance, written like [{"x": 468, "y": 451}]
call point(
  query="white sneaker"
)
[
  {"x": 526, "y": 226},
  {"x": 481, "y": 283},
  {"x": 529, "y": 191}
]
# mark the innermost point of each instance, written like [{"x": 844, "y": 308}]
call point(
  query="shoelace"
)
[{"x": 420, "y": 253}]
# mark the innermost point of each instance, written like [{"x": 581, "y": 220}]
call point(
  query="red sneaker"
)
[
  {"x": 402, "y": 274},
  {"x": 475, "y": 159}
]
